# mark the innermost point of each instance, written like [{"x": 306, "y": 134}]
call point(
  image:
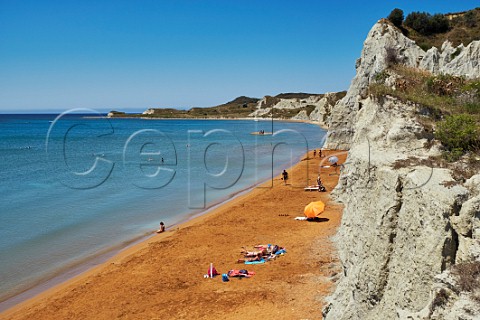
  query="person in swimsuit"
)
[
  {"x": 285, "y": 176},
  {"x": 162, "y": 227}
]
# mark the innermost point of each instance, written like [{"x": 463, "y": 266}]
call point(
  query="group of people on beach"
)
[
  {"x": 319, "y": 153},
  {"x": 263, "y": 253},
  {"x": 319, "y": 182}
]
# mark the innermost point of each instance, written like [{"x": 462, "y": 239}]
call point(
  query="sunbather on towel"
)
[
  {"x": 256, "y": 258},
  {"x": 253, "y": 254},
  {"x": 240, "y": 273},
  {"x": 267, "y": 249}
]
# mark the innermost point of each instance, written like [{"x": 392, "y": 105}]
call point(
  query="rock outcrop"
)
[
  {"x": 407, "y": 221},
  {"x": 315, "y": 108},
  {"x": 403, "y": 223},
  {"x": 385, "y": 44},
  {"x": 114, "y": 113},
  {"x": 149, "y": 111}
]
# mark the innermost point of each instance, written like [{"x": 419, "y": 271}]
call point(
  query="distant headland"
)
[{"x": 296, "y": 106}]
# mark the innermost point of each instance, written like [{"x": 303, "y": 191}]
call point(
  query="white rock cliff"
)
[
  {"x": 322, "y": 107},
  {"x": 406, "y": 221},
  {"x": 382, "y": 38}
]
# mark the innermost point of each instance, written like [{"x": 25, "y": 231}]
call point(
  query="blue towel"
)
[
  {"x": 281, "y": 252},
  {"x": 255, "y": 262}
]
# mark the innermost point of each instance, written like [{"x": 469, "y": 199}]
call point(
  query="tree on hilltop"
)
[
  {"x": 427, "y": 24},
  {"x": 396, "y": 17}
]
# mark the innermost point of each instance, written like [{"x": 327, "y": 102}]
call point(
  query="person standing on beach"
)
[
  {"x": 314, "y": 153},
  {"x": 285, "y": 176},
  {"x": 162, "y": 227},
  {"x": 319, "y": 153}
]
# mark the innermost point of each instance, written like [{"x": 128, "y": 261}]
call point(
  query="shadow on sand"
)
[{"x": 318, "y": 219}]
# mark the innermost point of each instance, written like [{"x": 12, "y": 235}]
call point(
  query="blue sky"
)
[{"x": 126, "y": 55}]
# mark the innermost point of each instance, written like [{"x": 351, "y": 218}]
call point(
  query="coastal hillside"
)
[
  {"x": 458, "y": 28},
  {"x": 296, "y": 106},
  {"x": 409, "y": 242},
  {"x": 238, "y": 108}
]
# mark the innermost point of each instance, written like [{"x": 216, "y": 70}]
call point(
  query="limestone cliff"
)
[
  {"x": 382, "y": 41},
  {"x": 407, "y": 220},
  {"x": 315, "y": 108}
]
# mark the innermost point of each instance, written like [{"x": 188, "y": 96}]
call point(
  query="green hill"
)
[{"x": 240, "y": 107}]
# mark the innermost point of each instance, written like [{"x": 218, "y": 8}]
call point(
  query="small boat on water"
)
[{"x": 257, "y": 133}]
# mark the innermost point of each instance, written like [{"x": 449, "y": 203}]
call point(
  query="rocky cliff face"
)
[
  {"x": 315, "y": 108},
  {"x": 383, "y": 41},
  {"x": 407, "y": 221}
]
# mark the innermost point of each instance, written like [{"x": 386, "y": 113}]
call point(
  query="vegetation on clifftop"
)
[
  {"x": 429, "y": 30},
  {"x": 452, "y": 105}
]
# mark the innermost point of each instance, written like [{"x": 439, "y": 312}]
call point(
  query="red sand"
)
[{"x": 162, "y": 278}]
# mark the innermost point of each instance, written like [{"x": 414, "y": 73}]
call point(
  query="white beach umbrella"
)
[{"x": 333, "y": 159}]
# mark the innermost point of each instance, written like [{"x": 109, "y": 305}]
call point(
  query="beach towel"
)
[
  {"x": 301, "y": 218},
  {"x": 240, "y": 273},
  {"x": 255, "y": 262}
]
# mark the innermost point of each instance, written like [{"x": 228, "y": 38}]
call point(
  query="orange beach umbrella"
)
[{"x": 313, "y": 209}]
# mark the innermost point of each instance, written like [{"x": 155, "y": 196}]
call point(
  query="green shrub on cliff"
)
[{"x": 458, "y": 133}]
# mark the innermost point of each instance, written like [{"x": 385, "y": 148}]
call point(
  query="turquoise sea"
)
[{"x": 77, "y": 186}]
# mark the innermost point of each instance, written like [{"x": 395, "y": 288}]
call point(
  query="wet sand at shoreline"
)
[{"x": 162, "y": 277}]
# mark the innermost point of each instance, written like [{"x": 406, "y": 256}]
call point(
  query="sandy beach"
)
[{"x": 162, "y": 277}]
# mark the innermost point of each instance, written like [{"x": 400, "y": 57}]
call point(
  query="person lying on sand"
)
[
  {"x": 257, "y": 258},
  {"x": 251, "y": 254},
  {"x": 268, "y": 248},
  {"x": 267, "y": 257}
]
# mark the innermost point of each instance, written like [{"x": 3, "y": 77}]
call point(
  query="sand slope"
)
[{"x": 162, "y": 278}]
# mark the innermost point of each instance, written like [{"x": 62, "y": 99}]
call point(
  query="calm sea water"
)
[{"x": 75, "y": 187}]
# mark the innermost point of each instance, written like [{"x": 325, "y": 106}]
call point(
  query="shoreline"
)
[
  {"x": 142, "y": 244},
  {"x": 72, "y": 271},
  {"x": 324, "y": 127},
  {"x": 76, "y": 268}
]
